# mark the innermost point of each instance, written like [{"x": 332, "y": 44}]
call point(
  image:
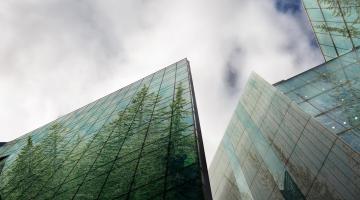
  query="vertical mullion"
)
[
  {"x": 198, "y": 139},
  {"x": 346, "y": 26},
  {"x": 79, "y": 158},
  {"x": 313, "y": 29},
  {"x": 122, "y": 143},
  {"x": 332, "y": 40},
  {"x": 143, "y": 144},
  {"x": 103, "y": 146},
  {"x": 169, "y": 144}
]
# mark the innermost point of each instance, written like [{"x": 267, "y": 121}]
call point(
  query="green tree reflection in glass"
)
[
  {"x": 147, "y": 149},
  {"x": 34, "y": 165},
  {"x": 347, "y": 9}
]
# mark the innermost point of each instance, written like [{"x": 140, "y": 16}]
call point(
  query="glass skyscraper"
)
[
  {"x": 336, "y": 24},
  {"x": 140, "y": 142},
  {"x": 297, "y": 139}
]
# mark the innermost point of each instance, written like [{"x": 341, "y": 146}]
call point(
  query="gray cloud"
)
[
  {"x": 58, "y": 55},
  {"x": 233, "y": 70}
]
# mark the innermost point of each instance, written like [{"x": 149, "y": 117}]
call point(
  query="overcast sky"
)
[{"x": 58, "y": 55}]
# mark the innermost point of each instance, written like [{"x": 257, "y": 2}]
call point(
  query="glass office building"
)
[
  {"x": 297, "y": 139},
  {"x": 336, "y": 24},
  {"x": 140, "y": 142}
]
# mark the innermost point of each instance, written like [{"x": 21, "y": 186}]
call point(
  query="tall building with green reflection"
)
[
  {"x": 336, "y": 24},
  {"x": 296, "y": 139},
  {"x": 140, "y": 142}
]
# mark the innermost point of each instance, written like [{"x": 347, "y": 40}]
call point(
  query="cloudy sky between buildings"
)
[{"x": 58, "y": 55}]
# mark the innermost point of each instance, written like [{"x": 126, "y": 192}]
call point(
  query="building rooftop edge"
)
[{"x": 277, "y": 83}]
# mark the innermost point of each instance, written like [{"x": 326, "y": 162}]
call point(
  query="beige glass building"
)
[{"x": 297, "y": 139}]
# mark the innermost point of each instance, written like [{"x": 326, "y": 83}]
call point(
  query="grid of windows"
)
[
  {"x": 331, "y": 94},
  {"x": 140, "y": 142},
  {"x": 223, "y": 181},
  {"x": 336, "y": 24},
  {"x": 277, "y": 151}
]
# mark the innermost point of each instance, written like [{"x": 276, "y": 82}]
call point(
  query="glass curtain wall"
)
[
  {"x": 336, "y": 24},
  {"x": 140, "y": 142},
  {"x": 331, "y": 94}
]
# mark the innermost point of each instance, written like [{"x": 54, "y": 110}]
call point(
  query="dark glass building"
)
[
  {"x": 297, "y": 139},
  {"x": 336, "y": 24},
  {"x": 140, "y": 142}
]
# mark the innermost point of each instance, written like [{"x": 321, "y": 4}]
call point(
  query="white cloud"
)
[{"x": 58, "y": 55}]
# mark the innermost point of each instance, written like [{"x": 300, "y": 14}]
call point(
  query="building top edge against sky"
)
[
  {"x": 8, "y": 144},
  {"x": 83, "y": 107},
  {"x": 336, "y": 25},
  {"x": 349, "y": 57}
]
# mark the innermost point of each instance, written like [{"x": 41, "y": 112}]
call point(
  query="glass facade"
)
[
  {"x": 273, "y": 149},
  {"x": 223, "y": 181},
  {"x": 336, "y": 24},
  {"x": 140, "y": 142},
  {"x": 331, "y": 94}
]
